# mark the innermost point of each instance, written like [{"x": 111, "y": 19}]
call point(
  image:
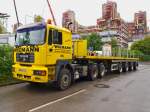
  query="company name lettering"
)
[{"x": 27, "y": 49}]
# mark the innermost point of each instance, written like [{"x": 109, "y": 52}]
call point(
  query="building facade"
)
[
  {"x": 112, "y": 25},
  {"x": 69, "y": 17},
  {"x": 138, "y": 28}
]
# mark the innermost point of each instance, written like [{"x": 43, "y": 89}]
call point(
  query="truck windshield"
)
[{"x": 30, "y": 36}]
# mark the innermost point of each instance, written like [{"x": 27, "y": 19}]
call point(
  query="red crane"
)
[{"x": 51, "y": 11}]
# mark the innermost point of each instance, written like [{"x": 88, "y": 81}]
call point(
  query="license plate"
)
[{"x": 22, "y": 70}]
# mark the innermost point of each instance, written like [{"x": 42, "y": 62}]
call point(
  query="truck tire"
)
[
  {"x": 101, "y": 71},
  {"x": 92, "y": 72},
  {"x": 64, "y": 79},
  {"x": 135, "y": 66},
  {"x": 130, "y": 66},
  {"x": 125, "y": 67},
  {"x": 120, "y": 68}
]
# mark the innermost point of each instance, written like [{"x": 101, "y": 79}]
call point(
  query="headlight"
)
[{"x": 39, "y": 72}]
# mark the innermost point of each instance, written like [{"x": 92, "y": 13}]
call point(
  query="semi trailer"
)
[{"x": 45, "y": 53}]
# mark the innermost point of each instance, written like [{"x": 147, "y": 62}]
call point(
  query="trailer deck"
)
[{"x": 106, "y": 58}]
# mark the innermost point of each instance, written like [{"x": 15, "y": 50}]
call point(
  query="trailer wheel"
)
[
  {"x": 92, "y": 72},
  {"x": 135, "y": 65},
  {"x": 120, "y": 68},
  {"x": 64, "y": 79},
  {"x": 101, "y": 71},
  {"x": 125, "y": 67},
  {"x": 130, "y": 66}
]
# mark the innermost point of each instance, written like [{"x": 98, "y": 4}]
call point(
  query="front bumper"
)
[{"x": 26, "y": 73}]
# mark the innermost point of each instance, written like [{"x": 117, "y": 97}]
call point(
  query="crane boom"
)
[
  {"x": 16, "y": 12},
  {"x": 51, "y": 11}
]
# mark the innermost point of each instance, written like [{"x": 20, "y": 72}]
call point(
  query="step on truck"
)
[{"x": 45, "y": 53}]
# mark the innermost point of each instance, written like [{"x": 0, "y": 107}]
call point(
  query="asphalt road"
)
[{"x": 128, "y": 92}]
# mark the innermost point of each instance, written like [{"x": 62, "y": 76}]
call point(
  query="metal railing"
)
[
  {"x": 125, "y": 53},
  {"x": 116, "y": 52}
]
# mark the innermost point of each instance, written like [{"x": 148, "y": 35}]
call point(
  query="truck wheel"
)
[
  {"x": 101, "y": 71},
  {"x": 64, "y": 79},
  {"x": 130, "y": 66},
  {"x": 92, "y": 72},
  {"x": 135, "y": 65},
  {"x": 125, "y": 67},
  {"x": 120, "y": 68}
]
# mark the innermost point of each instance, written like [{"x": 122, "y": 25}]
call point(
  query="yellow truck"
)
[{"x": 45, "y": 53}]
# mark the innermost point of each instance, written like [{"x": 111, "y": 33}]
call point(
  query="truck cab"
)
[{"x": 38, "y": 49}]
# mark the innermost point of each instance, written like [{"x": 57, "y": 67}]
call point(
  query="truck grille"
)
[{"x": 29, "y": 58}]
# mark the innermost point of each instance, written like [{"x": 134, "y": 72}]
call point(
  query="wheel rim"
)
[
  {"x": 103, "y": 73},
  {"x": 95, "y": 74},
  {"x": 65, "y": 80},
  {"x": 135, "y": 67},
  {"x": 127, "y": 68},
  {"x": 132, "y": 67},
  {"x": 120, "y": 69}
]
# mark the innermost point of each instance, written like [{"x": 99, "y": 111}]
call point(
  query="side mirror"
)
[{"x": 68, "y": 25}]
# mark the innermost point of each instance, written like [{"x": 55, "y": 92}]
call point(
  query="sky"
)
[{"x": 87, "y": 11}]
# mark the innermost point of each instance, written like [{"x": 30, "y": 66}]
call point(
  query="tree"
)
[
  {"x": 2, "y": 28},
  {"x": 94, "y": 41},
  {"x": 38, "y": 18},
  {"x": 114, "y": 43},
  {"x": 142, "y": 45},
  {"x": 6, "y": 59}
]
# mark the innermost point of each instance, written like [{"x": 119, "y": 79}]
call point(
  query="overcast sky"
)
[{"x": 87, "y": 11}]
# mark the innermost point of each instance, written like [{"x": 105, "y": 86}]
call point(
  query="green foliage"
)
[
  {"x": 94, "y": 41},
  {"x": 114, "y": 43},
  {"x": 38, "y": 18},
  {"x": 5, "y": 59},
  {"x": 137, "y": 53},
  {"x": 145, "y": 58},
  {"x": 142, "y": 45}
]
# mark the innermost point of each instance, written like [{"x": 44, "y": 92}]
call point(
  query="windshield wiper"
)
[
  {"x": 30, "y": 44},
  {"x": 25, "y": 44}
]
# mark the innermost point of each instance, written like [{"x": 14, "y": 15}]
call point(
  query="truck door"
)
[{"x": 54, "y": 46}]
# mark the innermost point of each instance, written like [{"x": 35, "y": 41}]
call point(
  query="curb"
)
[{"x": 11, "y": 83}]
